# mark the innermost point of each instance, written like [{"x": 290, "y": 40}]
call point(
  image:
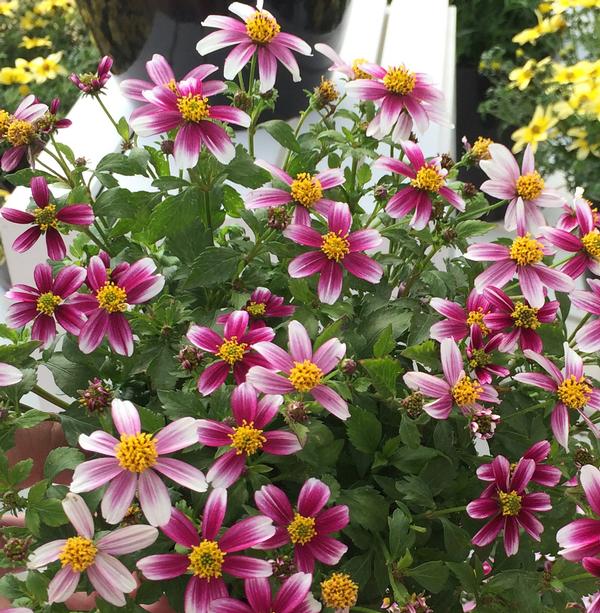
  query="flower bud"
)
[
  {"x": 279, "y": 218},
  {"x": 348, "y": 366},
  {"x": 167, "y": 146},
  {"x": 469, "y": 190},
  {"x": 190, "y": 357},
  {"x": 242, "y": 101},
  {"x": 583, "y": 456},
  {"x": 296, "y": 413},
  {"x": 325, "y": 93},
  {"x": 380, "y": 192},
  {"x": 413, "y": 404},
  {"x": 17, "y": 549},
  {"x": 283, "y": 567},
  {"x": 446, "y": 161},
  {"x": 97, "y": 396}
]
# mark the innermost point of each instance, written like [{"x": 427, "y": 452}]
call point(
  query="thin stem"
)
[
  {"x": 107, "y": 113},
  {"x": 42, "y": 393},
  {"x": 54, "y": 173},
  {"x": 441, "y": 512},
  {"x": 65, "y": 168},
  {"x": 96, "y": 240},
  {"x": 252, "y": 73},
  {"x": 474, "y": 214},
  {"x": 241, "y": 81},
  {"x": 579, "y": 326},
  {"x": 579, "y": 577},
  {"x": 419, "y": 269},
  {"x": 534, "y": 407},
  {"x": 374, "y": 214},
  {"x": 305, "y": 114},
  {"x": 209, "y": 216}
]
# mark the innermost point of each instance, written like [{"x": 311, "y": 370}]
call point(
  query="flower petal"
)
[
  {"x": 79, "y": 515},
  {"x": 177, "y": 435},
  {"x": 154, "y": 498},
  {"x": 128, "y": 539}
]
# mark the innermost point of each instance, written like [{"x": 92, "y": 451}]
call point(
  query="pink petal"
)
[
  {"x": 244, "y": 567},
  {"x": 154, "y": 498},
  {"x": 329, "y": 287},
  {"x": 281, "y": 443},
  {"x": 482, "y": 508},
  {"x": 267, "y": 381},
  {"x": 275, "y": 172},
  {"x": 511, "y": 536},
  {"x": 273, "y": 502},
  {"x": 79, "y": 515},
  {"x": 45, "y": 554},
  {"x": 559, "y": 422},
  {"x": 182, "y": 473},
  {"x": 99, "y": 442},
  {"x": 327, "y": 550},
  {"x": 55, "y": 244},
  {"x": 427, "y": 384},
  {"x": 164, "y": 566},
  {"x": 300, "y": 345},
  {"x": 590, "y": 481},
  {"x": 187, "y": 146},
  {"x": 328, "y": 355},
  {"x": 214, "y": 433},
  {"x": 238, "y": 57},
  {"x": 128, "y": 539},
  {"x": 331, "y": 401},
  {"x": 226, "y": 469},
  {"x": 236, "y": 324},
  {"x": 204, "y": 338},
  {"x": 312, "y": 497},
  {"x": 217, "y": 141},
  {"x": 120, "y": 336},
  {"x": 276, "y": 356},
  {"x": 307, "y": 264},
  {"x": 363, "y": 240},
  {"x": 93, "y": 474},
  {"x": 213, "y": 377},
  {"x": 488, "y": 533},
  {"x": 125, "y": 417},
  {"x": 177, "y": 435},
  {"x": 304, "y": 235},
  {"x": 246, "y": 533},
  {"x": 43, "y": 329},
  {"x": 230, "y": 114},
  {"x": 25, "y": 241},
  {"x": 333, "y": 519},
  {"x": 93, "y": 331},
  {"x": 63, "y": 585},
  {"x": 76, "y": 214},
  {"x": 363, "y": 267},
  {"x": 537, "y": 379},
  {"x": 440, "y": 408},
  {"x": 267, "y": 409},
  {"x": 16, "y": 215},
  {"x": 214, "y": 513},
  {"x": 199, "y": 594},
  {"x": 39, "y": 191},
  {"x": 452, "y": 363},
  {"x": 267, "y": 69},
  {"x": 118, "y": 497},
  {"x": 180, "y": 529}
]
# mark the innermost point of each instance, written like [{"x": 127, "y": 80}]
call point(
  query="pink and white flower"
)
[
  {"x": 247, "y": 438},
  {"x": 257, "y": 34},
  {"x": 235, "y": 350},
  {"x": 133, "y": 462},
  {"x": 94, "y": 556},
  {"x": 209, "y": 556},
  {"x": 568, "y": 219},
  {"x": 308, "y": 528},
  {"x": 588, "y": 338},
  {"x": 93, "y": 84},
  {"x": 9, "y": 375},
  {"x": 48, "y": 303},
  {"x": 261, "y": 305},
  {"x": 459, "y": 320},
  {"x": 45, "y": 219},
  {"x": 302, "y": 370},
  {"x": 350, "y": 71},
  {"x": 455, "y": 388},
  {"x": 427, "y": 182},
  {"x": 479, "y": 356}
]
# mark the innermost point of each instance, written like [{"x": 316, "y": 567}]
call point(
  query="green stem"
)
[
  {"x": 65, "y": 168},
  {"x": 96, "y": 240},
  {"x": 255, "y": 112},
  {"x": 241, "y": 81},
  {"x": 441, "y": 512},
  {"x": 579, "y": 577},
  {"x": 579, "y": 326},
  {"x": 474, "y": 214},
  {"x": 305, "y": 114},
  {"x": 539, "y": 405},
  {"x": 209, "y": 217},
  {"x": 364, "y": 610},
  {"x": 419, "y": 269},
  {"x": 53, "y": 172},
  {"x": 42, "y": 393},
  {"x": 107, "y": 113}
]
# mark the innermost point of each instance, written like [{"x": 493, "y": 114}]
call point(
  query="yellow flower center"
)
[
  {"x": 335, "y": 247},
  {"x": 256, "y": 309},
  {"x": 479, "y": 358},
  {"x": 574, "y": 393},
  {"x": 47, "y": 302},
  {"x": 79, "y": 553},
  {"x": 206, "y": 560},
  {"x": 400, "y": 80},
  {"x": 136, "y": 452},
  {"x": 526, "y": 250},
  {"x": 305, "y": 376},
  {"x": 428, "y": 179},
  {"x": 4, "y": 122},
  {"x": 466, "y": 391},
  {"x": 591, "y": 244},
  {"x": 262, "y": 27},
  {"x": 45, "y": 217},
  {"x": 339, "y": 591},
  {"x": 480, "y": 148},
  {"x": 112, "y": 298},
  {"x": 475, "y": 318},
  {"x": 306, "y": 189},
  {"x": 172, "y": 85},
  {"x": 193, "y": 107},
  {"x": 359, "y": 73},
  {"x": 231, "y": 351},
  {"x": 20, "y": 132},
  {"x": 530, "y": 186},
  {"x": 525, "y": 316},
  {"x": 510, "y": 503},
  {"x": 302, "y": 529},
  {"x": 247, "y": 439},
  {"x": 327, "y": 92}
]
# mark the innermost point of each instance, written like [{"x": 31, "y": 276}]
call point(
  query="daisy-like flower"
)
[
  {"x": 133, "y": 462},
  {"x": 47, "y": 303},
  {"x": 262, "y": 305},
  {"x": 247, "y": 438},
  {"x": 305, "y": 191},
  {"x": 338, "y": 249},
  {"x": 427, "y": 181},
  {"x": 573, "y": 391},
  {"x": 479, "y": 356},
  {"x": 9, "y": 375},
  {"x": 44, "y": 220},
  {"x": 302, "y": 370},
  {"x": 258, "y": 33},
  {"x": 579, "y": 539},
  {"x": 588, "y": 338},
  {"x": 523, "y": 259},
  {"x": 93, "y": 83},
  {"x": 112, "y": 293},
  {"x": 94, "y": 556},
  {"x": 234, "y": 350},
  {"x": 20, "y": 131},
  {"x": 568, "y": 220},
  {"x": 308, "y": 528},
  {"x": 483, "y": 423},
  {"x": 459, "y": 320},
  {"x": 351, "y": 71},
  {"x": 510, "y": 506},
  {"x": 517, "y": 322},
  {"x": 185, "y": 106},
  {"x": 524, "y": 188},
  {"x": 405, "y": 98},
  {"x": 209, "y": 556},
  {"x": 50, "y": 122},
  {"x": 455, "y": 388}
]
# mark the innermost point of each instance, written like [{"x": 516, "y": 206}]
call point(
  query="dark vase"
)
[{"x": 132, "y": 30}]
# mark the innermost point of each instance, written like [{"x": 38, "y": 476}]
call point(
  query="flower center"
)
[
  {"x": 247, "y": 439},
  {"x": 193, "y": 107},
  {"x": 359, "y": 73},
  {"x": 339, "y": 591},
  {"x": 475, "y": 318},
  {"x": 256, "y": 309},
  {"x": 206, "y": 560},
  {"x": 112, "y": 298},
  {"x": 231, "y": 351},
  {"x": 428, "y": 179},
  {"x": 20, "y": 132},
  {"x": 136, "y": 452},
  {"x": 400, "y": 80},
  {"x": 47, "y": 302},
  {"x": 510, "y": 503},
  {"x": 574, "y": 393},
  {"x": 45, "y": 217},
  {"x": 530, "y": 186},
  {"x": 327, "y": 92},
  {"x": 306, "y": 189},
  {"x": 525, "y": 316},
  {"x": 526, "y": 250},
  {"x": 479, "y": 358},
  {"x": 335, "y": 247},
  {"x": 4, "y": 122},
  {"x": 305, "y": 376},
  {"x": 466, "y": 391},
  {"x": 79, "y": 553},
  {"x": 172, "y": 85},
  {"x": 480, "y": 148},
  {"x": 262, "y": 27},
  {"x": 302, "y": 529},
  {"x": 591, "y": 244}
]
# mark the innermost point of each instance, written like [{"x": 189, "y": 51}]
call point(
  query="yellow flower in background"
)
[
  {"x": 24, "y": 90},
  {"x": 7, "y": 9},
  {"x": 47, "y": 6},
  {"x": 30, "y": 21},
  {"x": 31, "y": 43},
  {"x": 521, "y": 77},
  {"x": 544, "y": 7},
  {"x": 585, "y": 97},
  {"x": 581, "y": 145},
  {"x": 17, "y": 74},
  {"x": 536, "y": 131},
  {"x": 570, "y": 74},
  {"x": 562, "y": 110},
  {"x": 544, "y": 26},
  {"x": 560, "y": 6},
  {"x": 45, "y": 68}
]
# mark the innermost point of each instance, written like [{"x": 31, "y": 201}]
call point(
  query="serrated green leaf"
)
[
  {"x": 61, "y": 458},
  {"x": 385, "y": 342},
  {"x": 431, "y": 575},
  {"x": 383, "y": 373},
  {"x": 364, "y": 430},
  {"x": 282, "y": 132}
]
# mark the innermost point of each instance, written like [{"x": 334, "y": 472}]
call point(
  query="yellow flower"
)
[
  {"x": 536, "y": 131},
  {"x": 560, "y": 6},
  {"x": 47, "y": 6},
  {"x": 30, "y": 43},
  {"x": 569, "y": 74},
  {"x": 44, "y": 68},
  {"x": 562, "y": 110},
  {"x": 30, "y": 21},
  {"x": 581, "y": 144},
  {"x": 544, "y": 26},
  {"x": 544, "y": 7},
  {"x": 24, "y": 90},
  {"x": 7, "y": 9},
  {"x": 17, "y": 74},
  {"x": 584, "y": 97}
]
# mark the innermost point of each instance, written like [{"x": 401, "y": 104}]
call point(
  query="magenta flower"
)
[
  {"x": 112, "y": 293},
  {"x": 261, "y": 305},
  {"x": 9, "y": 375},
  {"x": 234, "y": 350},
  {"x": 509, "y": 505},
  {"x": 50, "y": 122},
  {"x": 338, "y": 249},
  {"x": 186, "y": 107},
  {"x": 524, "y": 188},
  {"x": 350, "y": 71},
  {"x": 258, "y": 33},
  {"x": 94, "y": 556},
  {"x": 456, "y": 388},
  {"x": 459, "y": 320},
  {"x": 209, "y": 556},
  {"x": 523, "y": 259},
  {"x": 308, "y": 529},
  {"x": 573, "y": 391},
  {"x": 247, "y": 437},
  {"x": 90, "y": 83},
  {"x": 303, "y": 370},
  {"x": 579, "y": 539},
  {"x": 132, "y": 463},
  {"x": 588, "y": 338},
  {"x": 517, "y": 322},
  {"x": 483, "y": 423},
  {"x": 47, "y": 303},
  {"x": 479, "y": 356},
  {"x": 427, "y": 181},
  {"x": 305, "y": 192},
  {"x": 568, "y": 219},
  {"x": 404, "y": 97}
]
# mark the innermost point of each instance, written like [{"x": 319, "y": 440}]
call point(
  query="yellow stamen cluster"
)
[
  {"x": 306, "y": 189},
  {"x": 302, "y": 529},
  {"x": 510, "y": 503},
  {"x": 136, "y": 452},
  {"x": 466, "y": 391},
  {"x": 335, "y": 247},
  {"x": 262, "y": 27},
  {"x": 480, "y": 148},
  {"x": 526, "y": 250},
  {"x": 525, "y": 316},
  {"x": 206, "y": 560},
  {"x": 530, "y": 186},
  {"x": 193, "y": 108},
  {"x": 359, "y": 73},
  {"x": 172, "y": 85},
  {"x": 326, "y": 92},
  {"x": 475, "y": 318},
  {"x": 256, "y": 309},
  {"x": 47, "y": 302},
  {"x": 20, "y": 132},
  {"x": 400, "y": 80},
  {"x": 45, "y": 217},
  {"x": 79, "y": 553},
  {"x": 479, "y": 358},
  {"x": 591, "y": 244},
  {"x": 247, "y": 439},
  {"x": 4, "y": 122},
  {"x": 574, "y": 393},
  {"x": 112, "y": 298},
  {"x": 231, "y": 351},
  {"x": 339, "y": 591},
  {"x": 305, "y": 376},
  {"x": 428, "y": 179}
]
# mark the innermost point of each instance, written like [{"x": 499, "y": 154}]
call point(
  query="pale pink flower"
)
[
  {"x": 588, "y": 338},
  {"x": 9, "y": 375}
]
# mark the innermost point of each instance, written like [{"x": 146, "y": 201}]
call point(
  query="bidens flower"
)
[
  {"x": 93, "y": 83},
  {"x": 262, "y": 305},
  {"x": 588, "y": 338},
  {"x": 460, "y": 320}
]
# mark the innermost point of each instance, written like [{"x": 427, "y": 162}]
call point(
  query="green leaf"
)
[
  {"x": 70, "y": 376},
  {"x": 168, "y": 183},
  {"x": 363, "y": 174},
  {"x": 37, "y": 585},
  {"x": 176, "y": 404},
  {"x": 175, "y": 213},
  {"x": 473, "y": 227},
  {"x": 244, "y": 171},
  {"x": 151, "y": 421},
  {"x": 420, "y": 327},
  {"x": 456, "y": 540},
  {"x": 232, "y": 201},
  {"x": 20, "y": 471},
  {"x": 426, "y": 353},
  {"x": 51, "y": 512},
  {"x": 31, "y": 418},
  {"x": 385, "y": 343},
  {"x": 118, "y": 163},
  {"x": 383, "y": 373},
  {"x": 214, "y": 265},
  {"x": 400, "y": 537},
  {"x": 369, "y": 509},
  {"x": 301, "y": 291},
  {"x": 431, "y": 575},
  {"x": 282, "y": 132},
  {"x": 409, "y": 432},
  {"x": 364, "y": 430},
  {"x": 61, "y": 458},
  {"x": 331, "y": 331},
  {"x": 465, "y": 574},
  {"x": 115, "y": 202}
]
